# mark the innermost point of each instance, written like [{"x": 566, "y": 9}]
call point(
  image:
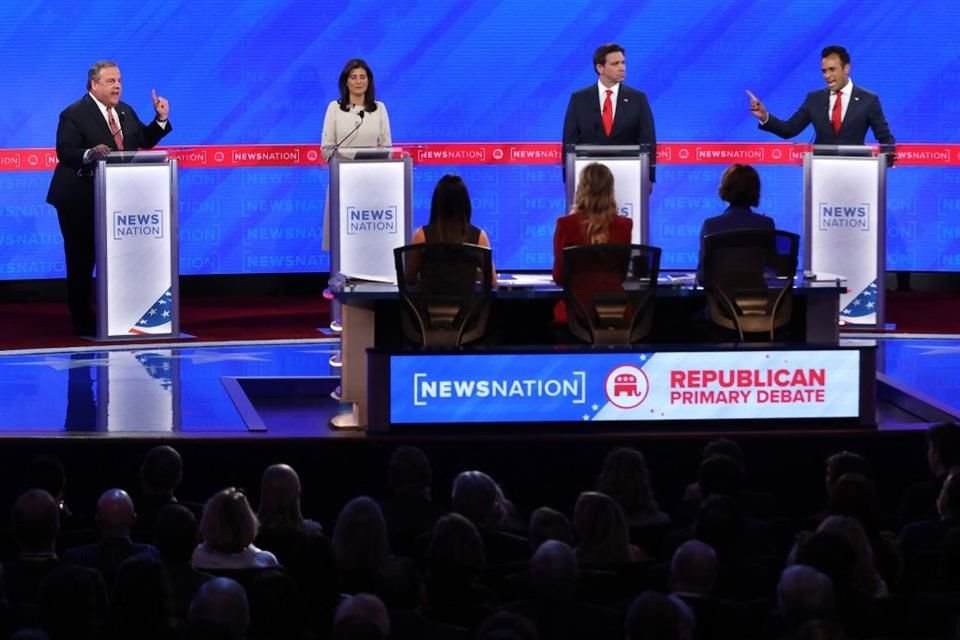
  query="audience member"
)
[
  {"x": 549, "y": 524},
  {"x": 409, "y": 510},
  {"x": 804, "y": 594},
  {"x": 219, "y": 611},
  {"x": 360, "y": 544},
  {"x": 504, "y": 625},
  {"x": 228, "y": 528},
  {"x": 160, "y": 475},
  {"x": 477, "y": 497},
  {"x": 455, "y": 563},
  {"x": 654, "y": 616},
  {"x": 275, "y": 607},
  {"x": 361, "y": 617},
  {"x": 943, "y": 453},
  {"x": 36, "y": 523},
  {"x": 142, "y": 605},
  {"x": 625, "y": 477},
  {"x": 73, "y": 604},
  {"x": 176, "y": 538},
  {"x": 115, "y": 517},
  {"x": 603, "y": 540}
]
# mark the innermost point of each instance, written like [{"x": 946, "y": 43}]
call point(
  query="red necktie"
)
[
  {"x": 835, "y": 117},
  {"x": 607, "y": 114},
  {"x": 114, "y": 129}
]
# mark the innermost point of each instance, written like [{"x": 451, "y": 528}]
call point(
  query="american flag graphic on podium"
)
[
  {"x": 158, "y": 318},
  {"x": 864, "y": 304}
]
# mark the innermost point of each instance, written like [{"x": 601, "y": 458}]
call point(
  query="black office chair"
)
[
  {"x": 609, "y": 291},
  {"x": 445, "y": 290},
  {"x": 748, "y": 279}
]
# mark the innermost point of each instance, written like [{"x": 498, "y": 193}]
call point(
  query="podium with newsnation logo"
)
[
  {"x": 845, "y": 195},
  {"x": 371, "y": 199},
  {"x": 630, "y": 165},
  {"x": 370, "y": 203},
  {"x": 135, "y": 208}
]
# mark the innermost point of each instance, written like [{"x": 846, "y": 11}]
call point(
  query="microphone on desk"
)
[{"x": 344, "y": 138}]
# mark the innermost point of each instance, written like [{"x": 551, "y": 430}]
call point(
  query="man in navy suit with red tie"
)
[
  {"x": 841, "y": 113},
  {"x": 89, "y": 130},
  {"x": 610, "y": 112}
]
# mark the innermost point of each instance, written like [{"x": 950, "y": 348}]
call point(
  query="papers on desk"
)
[
  {"x": 822, "y": 276},
  {"x": 524, "y": 279},
  {"x": 678, "y": 279}
]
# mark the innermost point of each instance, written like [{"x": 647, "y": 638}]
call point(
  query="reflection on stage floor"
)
[{"x": 237, "y": 390}]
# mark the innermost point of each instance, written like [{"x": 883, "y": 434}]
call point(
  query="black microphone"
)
[{"x": 344, "y": 138}]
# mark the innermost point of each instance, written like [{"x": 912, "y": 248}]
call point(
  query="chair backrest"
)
[
  {"x": 748, "y": 278},
  {"x": 445, "y": 290},
  {"x": 609, "y": 291}
]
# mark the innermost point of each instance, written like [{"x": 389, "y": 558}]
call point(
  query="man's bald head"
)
[{"x": 115, "y": 514}]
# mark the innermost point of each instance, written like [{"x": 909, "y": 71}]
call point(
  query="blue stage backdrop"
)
[{"x": 252, "y": 72}]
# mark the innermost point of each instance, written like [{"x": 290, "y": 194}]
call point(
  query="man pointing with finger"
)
[
  {"x": 840, "y": 113},
  {"x": 89, "y": 129}
]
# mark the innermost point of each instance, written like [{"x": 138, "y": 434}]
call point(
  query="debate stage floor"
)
[{"x": 282, "y": 389}]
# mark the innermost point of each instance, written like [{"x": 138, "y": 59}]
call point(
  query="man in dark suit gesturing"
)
[
  {"x": 89, "y": 129},
  {"x": 840, "y": 113},
  {"x": 610, "y": 112}
]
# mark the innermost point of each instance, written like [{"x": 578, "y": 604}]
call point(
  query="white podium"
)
[
  {"x": 371, "y": 209},
  {"x": 135, "y": 209},
  {"x": 371, "y": 196},
  {"x": 630, "y": 165},
  {"x": 844, "y": 204}
]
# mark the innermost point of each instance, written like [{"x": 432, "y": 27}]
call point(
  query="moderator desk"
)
[{"x": 371, "y": 318}]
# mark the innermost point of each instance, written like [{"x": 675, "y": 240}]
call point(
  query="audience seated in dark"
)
[
  {"x": 400, "y": 587},
  {"x": 693, "y": 577},
  {"x": 549, "y": 524},
  {"x": 600, "y": 529},
  {"x": 409, "y": 510},
  {"x": 176, "y": 538},
  {"x": 361, "y": 617},
  {"x": 115, "y": 517},
  {"x": 35, "y": 526},
  {"x": 455, "y": 564},
  {"x": 477, "y": 497},
  {"x": 47, "y": 472},
  {"x": 299, "y": 544},
  {"x": 276, "y": 608},
  {"x": 219, "y": 611},
  {"x": 803, "y": 594},
  {"x": 360, "y": 545},
  {"x": 228, "y": 528},
  {"x": 625, "y": 477},
  {"x": 504, "y": 625},
  {"x": 654, "y": 616},
  {"x": 554, "y": 604},
  {"x": 141, "y": 602},
  {"x": 160, "y": 475},
  {"x": 934, "y": 610},
  {"x": 73, "y": 604},
  {"x": 943, "y": 453},
  {"x": 739, "y": 188}
]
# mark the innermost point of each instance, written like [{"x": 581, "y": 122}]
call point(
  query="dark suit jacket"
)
[
  {"x": 632, "y": 121},
  {"x": 732, "y": 219},
  {"x": 863, "y": 112},
  {"x": 83, "y": 127}
]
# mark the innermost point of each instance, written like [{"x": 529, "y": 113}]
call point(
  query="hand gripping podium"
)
[
  {"x": 371, "y": 197},
  {"x": 630, "y": 165},
  {"x": 845, "y": 197},
  {"x": 135, "y": 210}
]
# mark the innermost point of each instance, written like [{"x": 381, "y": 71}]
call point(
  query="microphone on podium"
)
[{"x": 344, "y": 138}]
